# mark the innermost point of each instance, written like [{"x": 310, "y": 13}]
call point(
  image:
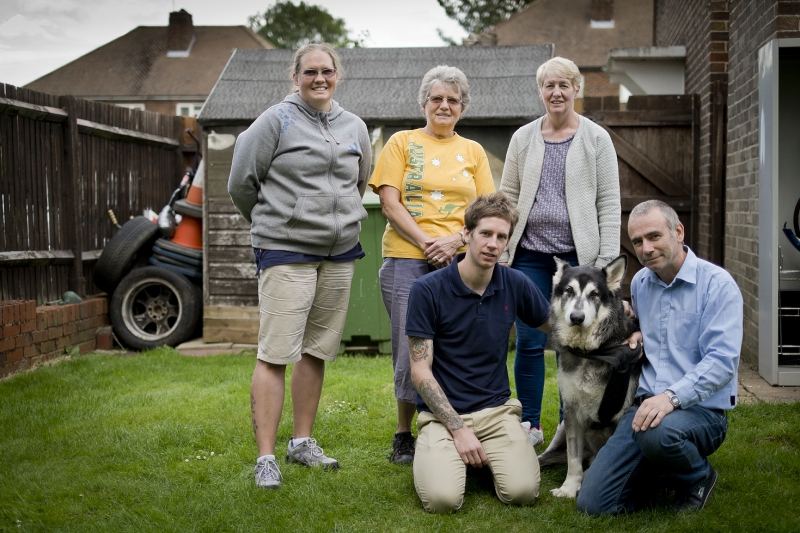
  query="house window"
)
[
  {"x": 601, "y": 24},
  {"x": 140, "y": 107},
  {"x": 188, "y": 110}
]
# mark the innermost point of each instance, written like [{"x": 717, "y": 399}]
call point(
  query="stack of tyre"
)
[
  {"x": 154, "y": 283},
  {"x": 184, "y": 253}
]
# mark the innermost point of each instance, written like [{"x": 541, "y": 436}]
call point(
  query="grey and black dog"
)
[{"x": 597, "y": 374}]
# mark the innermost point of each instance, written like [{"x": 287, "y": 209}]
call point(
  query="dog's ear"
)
[
  {"x": 615, "y": 271},
  {"x": 561, "y": 266}
]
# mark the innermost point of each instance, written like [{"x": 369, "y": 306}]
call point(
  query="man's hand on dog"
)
[
  {"x": 469, "y": 447},
  {"x": 652, "y": 412},
  {"x": 635, "y": 340},
  {"x": 626, "y": 306}
]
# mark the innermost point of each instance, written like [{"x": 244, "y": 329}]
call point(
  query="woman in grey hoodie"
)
[{"x": 297, "y": 176}]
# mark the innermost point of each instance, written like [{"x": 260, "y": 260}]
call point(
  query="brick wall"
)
[
  {"x": 722, "y": 40},
  {"x": 753, "y": 23},
  {"x": 598, "y": 84},
  {"x": 30, "y": 335},
  {"x": 702, "y": 27}
]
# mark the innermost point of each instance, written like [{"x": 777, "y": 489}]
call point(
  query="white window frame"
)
[
  {"x": 193, "y": 109},
  {"x": 138, "y": 106}
]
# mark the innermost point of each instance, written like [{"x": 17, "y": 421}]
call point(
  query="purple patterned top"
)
[{"x": 548, "y": 229}]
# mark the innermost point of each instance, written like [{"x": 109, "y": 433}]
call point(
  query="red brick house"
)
[
  {"x": 581, "y": 30},
  {"x": 167, "y": 69}
]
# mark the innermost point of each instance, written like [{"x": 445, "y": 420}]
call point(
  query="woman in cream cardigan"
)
[{"x": 561, "y": 171}]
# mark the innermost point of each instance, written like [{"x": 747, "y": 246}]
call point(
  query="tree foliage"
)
[
  {"x": 477, "y": 16},
  {"x": 287, "y": 25}
]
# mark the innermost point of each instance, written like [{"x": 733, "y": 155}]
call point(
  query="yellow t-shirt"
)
[{"x": 437, "y": 178}]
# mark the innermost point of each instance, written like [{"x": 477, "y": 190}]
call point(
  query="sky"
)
[{"x": 38, "y": 36}]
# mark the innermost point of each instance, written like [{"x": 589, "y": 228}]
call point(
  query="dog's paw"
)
[{"x": 566, "y": 491}]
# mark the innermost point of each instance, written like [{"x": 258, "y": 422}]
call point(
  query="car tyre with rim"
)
[
  {"x": 153, "y": 306},
  {"x": 120, "y": 254}
]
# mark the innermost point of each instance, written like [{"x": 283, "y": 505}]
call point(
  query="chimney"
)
[
  {"x": 180, "y": 34},
  {"x": 602, "y": 14}
]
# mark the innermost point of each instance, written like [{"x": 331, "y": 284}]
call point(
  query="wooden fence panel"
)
[
  {"x": 56, "y": 190},
  {"x": 656, "y": 140}
]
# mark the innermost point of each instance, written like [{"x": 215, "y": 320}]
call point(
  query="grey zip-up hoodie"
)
[{"x": 298, "y": 176}]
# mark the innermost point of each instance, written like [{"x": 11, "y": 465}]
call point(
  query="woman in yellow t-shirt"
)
[{"x": 425, "y": 179}]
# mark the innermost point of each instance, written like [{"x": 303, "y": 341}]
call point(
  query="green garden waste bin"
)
[{"x": 367, "y": 328}]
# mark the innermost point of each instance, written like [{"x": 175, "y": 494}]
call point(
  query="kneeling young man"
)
[
  {"x": 459, "y": 319},
  {"x": 691, "y": 315}
]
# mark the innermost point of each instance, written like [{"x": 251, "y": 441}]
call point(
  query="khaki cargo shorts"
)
[{"x": 303, "y": 307}]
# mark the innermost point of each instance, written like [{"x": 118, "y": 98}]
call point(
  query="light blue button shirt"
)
[{"x": 692, "y": 331}]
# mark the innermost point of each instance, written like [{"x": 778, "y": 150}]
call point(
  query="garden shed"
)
[{"x": 379, "y": 85}]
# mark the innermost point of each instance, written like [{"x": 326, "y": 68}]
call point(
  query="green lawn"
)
[{"x": 163, "y": 442}]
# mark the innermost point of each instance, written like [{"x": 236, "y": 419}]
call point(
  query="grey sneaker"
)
[
  {"x": 268, "y": 475},
  {"x": 535, "y": 435},
  {"x": 310, "y": 454}
]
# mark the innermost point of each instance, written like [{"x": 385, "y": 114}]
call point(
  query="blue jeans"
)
[
  {"x": 632, "y": 467},
  {"x": 529, "y": 361}
]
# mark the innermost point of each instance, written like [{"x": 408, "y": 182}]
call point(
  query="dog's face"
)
[{"x": 583, "y": 297}]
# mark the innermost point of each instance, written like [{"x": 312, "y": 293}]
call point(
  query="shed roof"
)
[
  {"x": 135, "y": 66},
  {"x": 380, "y": 85}
]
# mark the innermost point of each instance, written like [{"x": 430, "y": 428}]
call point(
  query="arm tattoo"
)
[
  {"x": 433, "y": 396},
  {"x": 418, "y": 348}
]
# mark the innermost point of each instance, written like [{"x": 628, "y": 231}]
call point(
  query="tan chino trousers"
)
[{"x": 440, "y": 475}]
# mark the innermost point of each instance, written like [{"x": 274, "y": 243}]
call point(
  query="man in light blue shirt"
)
[{"x": 691, "y": 315}]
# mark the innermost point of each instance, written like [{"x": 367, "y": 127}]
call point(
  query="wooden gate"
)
[{"x": 656, "y": 139}]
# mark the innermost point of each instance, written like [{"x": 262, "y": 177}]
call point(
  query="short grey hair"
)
[
  {"x": 669, "y": 214},
  {"x": 560, "y": 67},
  {"x": 449, "y": 76}
]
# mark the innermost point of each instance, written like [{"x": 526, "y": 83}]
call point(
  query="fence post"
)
[{"x": 73, "y": 219}]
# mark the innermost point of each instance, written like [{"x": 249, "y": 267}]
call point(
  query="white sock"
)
[
  {"x": 294, "y": 443},
  {"x": 264, "y": 458}
]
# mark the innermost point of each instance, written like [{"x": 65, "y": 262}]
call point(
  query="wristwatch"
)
[{"x": 673, "y": 398}]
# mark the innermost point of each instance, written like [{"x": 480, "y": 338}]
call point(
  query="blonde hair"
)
[
  {"x": 294, "y": 68},
  {"x": 559, "y": 67}
]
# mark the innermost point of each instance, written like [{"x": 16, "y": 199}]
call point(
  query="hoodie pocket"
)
[
  {"x": 311, "y": 219},
  {"x": 350, "y": 210}
]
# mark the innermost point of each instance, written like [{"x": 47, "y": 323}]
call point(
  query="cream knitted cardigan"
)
[{"x": 592, "y": 189}]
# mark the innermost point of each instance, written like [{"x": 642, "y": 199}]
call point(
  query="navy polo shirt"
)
[{"x": 470, "y": 332}]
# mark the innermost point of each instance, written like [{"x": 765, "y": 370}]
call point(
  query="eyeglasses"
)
[
  {"x": 311, "y": 73},
  {"x": 437, "y": 100}
]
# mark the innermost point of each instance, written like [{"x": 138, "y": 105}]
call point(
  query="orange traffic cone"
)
[
  {"x": 192, "y": 205},
  {"x": 195, "y": 196},
  {"x": 189, "y": 233}
]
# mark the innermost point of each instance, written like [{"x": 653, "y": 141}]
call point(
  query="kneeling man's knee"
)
[
  {"x": 519, "y": 490},
  {"x": 589, "y": 505},
  {"x": 440, "y": 502},
  {"x": 594, "y": 498}
]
